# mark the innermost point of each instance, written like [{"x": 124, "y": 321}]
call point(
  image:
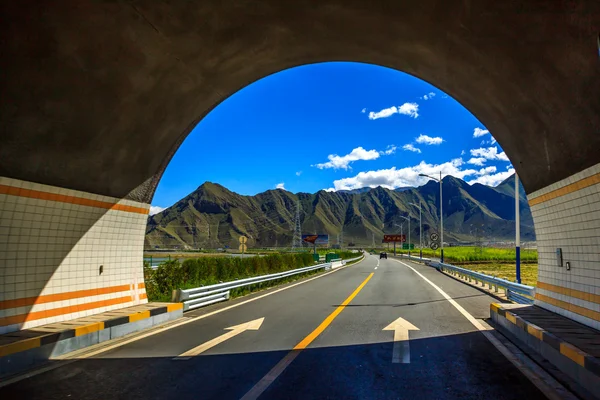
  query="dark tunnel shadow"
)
[
  {"x": 459, "y": 366},
  {"x": 410, "y": 304}
]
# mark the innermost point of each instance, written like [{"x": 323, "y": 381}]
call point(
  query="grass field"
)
[
  {"x": 507, "y": 271},
  {"x": 472, "y": 254}
]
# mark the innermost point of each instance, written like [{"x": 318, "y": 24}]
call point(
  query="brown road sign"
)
[
  {"x": 243, "y": 247},
  {"x": 243, "y": 239}
]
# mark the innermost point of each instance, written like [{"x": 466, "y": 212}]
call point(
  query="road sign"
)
[
  {"x": 407, "y": 246},
  {"x": 316, "y": 239},
  {"x": 434, "y": 246},
  {"x": 243, "y": 239},
  {"x": 243, "y": 248},
  {"x": 434, "y": 237},
  {"x": 394, "y": 238}
]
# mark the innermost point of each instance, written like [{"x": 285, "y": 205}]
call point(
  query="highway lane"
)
[{"x": 350, "y": 358}]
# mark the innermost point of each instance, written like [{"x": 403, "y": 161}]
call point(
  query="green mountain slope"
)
[{"x": 213, "y": 216}]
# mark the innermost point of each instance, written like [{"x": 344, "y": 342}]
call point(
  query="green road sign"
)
[{"x": 405, "y": 246}]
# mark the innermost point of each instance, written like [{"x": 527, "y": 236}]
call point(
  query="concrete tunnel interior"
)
[{"x": 97, "y": 97}]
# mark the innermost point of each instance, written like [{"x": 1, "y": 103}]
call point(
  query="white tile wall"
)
[
  {"x": 570, "y": 222},
  {"x": 50, "y": 247}
]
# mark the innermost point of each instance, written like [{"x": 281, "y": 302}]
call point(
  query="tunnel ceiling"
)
[{"x": 97, "y": 96}]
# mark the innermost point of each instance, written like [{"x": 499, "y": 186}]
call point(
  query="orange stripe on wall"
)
[
  {"x": 578, "y": 294},
  {"x": 586, "y": 312},
  {"x": 573, "y": 187},
  {"x": 48, "y": 298},
  {"x": 36, "y": 194},
  {"x": 21, "y": 318}
]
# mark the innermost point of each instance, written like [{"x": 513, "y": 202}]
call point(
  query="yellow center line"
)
[
  {"x": 313, "y": 335},
  {"x": 270, "y": 377}
]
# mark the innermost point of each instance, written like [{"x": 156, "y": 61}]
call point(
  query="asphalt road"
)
[{"x": 345, "y": 355}]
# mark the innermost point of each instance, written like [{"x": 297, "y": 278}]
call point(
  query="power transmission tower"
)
[{"x": 297, "y": 238}]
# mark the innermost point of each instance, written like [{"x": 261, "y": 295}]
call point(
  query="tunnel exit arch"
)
[{"x": 97, "y": 97}]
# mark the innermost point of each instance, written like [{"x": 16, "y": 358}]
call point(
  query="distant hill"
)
[{"x": 213, "y": 216}]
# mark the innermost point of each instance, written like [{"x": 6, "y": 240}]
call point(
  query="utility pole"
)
[
  {"x": 517, "y": 229},
  {"x": 373, "y": 239},
  {"x": 297, "y": 238}
]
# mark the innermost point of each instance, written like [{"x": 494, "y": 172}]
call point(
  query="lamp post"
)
[
  {"x": 408, "y": 219},
  {"x": 517, "y": 229},
  {"x": 441, "y": 215},
  {"x": 401, "y": 234},
  {"x": 420, "y": 230}
]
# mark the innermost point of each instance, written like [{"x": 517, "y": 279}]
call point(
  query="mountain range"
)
[{"x": 213, "y": 216}]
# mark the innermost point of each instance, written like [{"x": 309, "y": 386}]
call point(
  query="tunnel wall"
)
[
  {"x": 567, "y": 216},
  {"x": 52, "y": 244}
]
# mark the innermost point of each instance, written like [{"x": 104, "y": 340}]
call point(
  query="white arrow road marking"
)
[
  {"x": 233, "y": 331},
  {"x": 401, "y": 344}
]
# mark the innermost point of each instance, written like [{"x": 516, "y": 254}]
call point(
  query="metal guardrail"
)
[
  {"x": 516, "y": 292},
  {"x": 405, "y": 256},
  {"x": 206, "y": 295}
]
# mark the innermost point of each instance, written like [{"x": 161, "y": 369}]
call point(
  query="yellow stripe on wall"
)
[{"x": 573, "y": 187}]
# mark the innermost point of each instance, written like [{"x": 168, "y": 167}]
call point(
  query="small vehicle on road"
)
[{"x": 383, "y": 254}]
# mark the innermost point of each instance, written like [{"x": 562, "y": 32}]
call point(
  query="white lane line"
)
[
  {"x": 375, "y": 267},
  {"x": 540, "y": 378},
  {"x": 88, "y": 352},
  {"x": 378, "y": 261}
]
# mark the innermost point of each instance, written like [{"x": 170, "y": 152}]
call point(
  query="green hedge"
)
[{"x": 195, "y": 272}]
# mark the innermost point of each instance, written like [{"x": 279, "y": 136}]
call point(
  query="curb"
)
[
  {"x": 45, "y": 335},
  {"x": 576, "y": 355}
]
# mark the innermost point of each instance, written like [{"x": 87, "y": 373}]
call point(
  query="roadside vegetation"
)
[
  {"x": 529, "y": 272},
  {"x": 477, "y": 254},
  {"x": 201, "y": 271}
]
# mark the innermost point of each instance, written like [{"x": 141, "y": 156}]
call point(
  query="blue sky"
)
[{"x": 333, "y": 126}]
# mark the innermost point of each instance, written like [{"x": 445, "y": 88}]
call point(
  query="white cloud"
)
[
  {"x": 391, "y": 149},
  {"x": 484, "y": 142},
  {"x": 486, "y": 170},
  {"x": 392, "y": 178},
  {"x": 386, "y": 112},
  {"x": 428, "y": 96},
  {"x": 156, "y": 209},
  {"x": 478, "y": 132},
  {"x": 410, "y": 109},
  {"x": 477, "y": 161},
  {"x": 490, "y": 153},
  {"x": 280, "y": 186},
  {"x": 428, "y": 140},
  {"x": 364, "y": 110},
  {"x": 462, "y": 153},
  {"x": 493, "y": 140},
  {"x": 343, "y": 162},
  {"x": 298, "y": 173},
  {"x": 493, "y": 180},
  {"x": 410, "y": 147}
]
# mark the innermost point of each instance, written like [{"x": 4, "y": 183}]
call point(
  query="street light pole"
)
[
  {"x": 517, "y": 229},
  {"x": 401, "y": 234},
  {"x": 408, "y": 219},
  {"x": 420, "y": 230},
  {"x": 441, "y": 214}
]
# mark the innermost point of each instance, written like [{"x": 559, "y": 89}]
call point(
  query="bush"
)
[{"x": 202, "y": 271}]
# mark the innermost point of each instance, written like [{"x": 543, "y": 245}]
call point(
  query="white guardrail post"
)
[
  {"x": 206, "y": 295},
  {"x": 515, "y": 292}
]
